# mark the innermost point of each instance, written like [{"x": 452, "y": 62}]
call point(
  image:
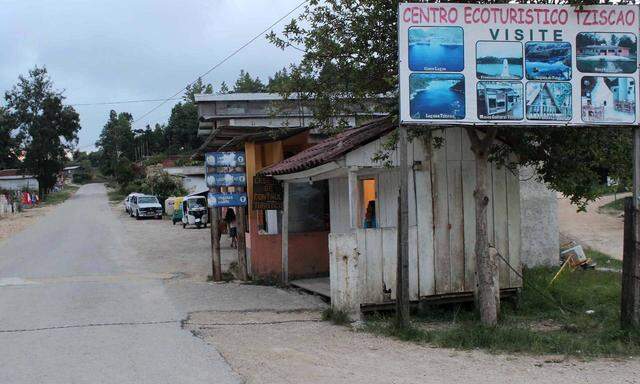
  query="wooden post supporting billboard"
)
[
  {"x": 630, "y": 297},
  {"x": 402, "y": 279},
  {"x": 216, "y": 259}
]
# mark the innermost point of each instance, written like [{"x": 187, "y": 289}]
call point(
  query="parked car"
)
[
  {"x": 128, "y": 200},
  {"x": 146, "y": 206}
]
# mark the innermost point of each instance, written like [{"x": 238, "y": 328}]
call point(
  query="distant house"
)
[
  {"x": 192, "y": 177},
  {"x": 603, "y": 50},
  {"x": 13, "y": 180}
]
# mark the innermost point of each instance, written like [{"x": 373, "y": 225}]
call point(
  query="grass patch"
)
[
  {"x": 613, "y": 207},
  {"x": 61, "y": 195},
  {"x": 554, "y": 322},
  {"x": 337, "y": 317},
  {"x": 603, "y": 260},
  {"x": 116, "y": 195}
]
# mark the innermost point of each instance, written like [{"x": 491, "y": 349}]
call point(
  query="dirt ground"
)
[
  {"x": 295, "y": 347},
  {"x": 170, "y": 248},
  {"x": 12, "y": 224},
  {"x": 599, "y": 231}
]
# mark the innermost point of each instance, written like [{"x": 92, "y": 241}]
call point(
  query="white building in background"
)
[
  {"x": 12, "y": 180},
  {"x": 192, "y": 177}
]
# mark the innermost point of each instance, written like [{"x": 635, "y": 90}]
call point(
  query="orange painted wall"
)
[{"x": 308, "y": 252}]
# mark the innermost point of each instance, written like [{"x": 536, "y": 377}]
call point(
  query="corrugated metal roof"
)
[{"x": 332, "y": 148}]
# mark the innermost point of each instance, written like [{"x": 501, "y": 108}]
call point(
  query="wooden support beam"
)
[
  {"x": 285, "y": 234},
  {"x": 630, "y": 296},
  {"x": 354, "y": 198}
]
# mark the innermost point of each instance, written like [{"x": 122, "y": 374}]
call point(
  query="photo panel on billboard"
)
[
  {"x": 610, "y": 99},
  {"x": 437, "y": 96},
  {"x": 500, "y": 100},
  {"x": 549, "y": 101},
  {"x": 499, "y": 60},
  {"x": 547, "y": 60},
  {"x": 436, "y": 49},
  {"x": 599, "y": 52}
]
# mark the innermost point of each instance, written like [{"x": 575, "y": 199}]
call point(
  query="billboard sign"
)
[
  {"x": 518, "y": 64},
  {"x": 227, "y": 199}
]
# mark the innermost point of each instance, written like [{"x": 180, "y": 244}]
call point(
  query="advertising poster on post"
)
[{"x": 516, "y": 64}]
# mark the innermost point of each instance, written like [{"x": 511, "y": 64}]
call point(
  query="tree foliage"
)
[
  {"x": 246, "y": 83},
  {"x": 116, "y": 140},
  {"x": 351, "y": 55},
  {"x": 46, "y": 128},
  {"x": 8, "y": 144}
]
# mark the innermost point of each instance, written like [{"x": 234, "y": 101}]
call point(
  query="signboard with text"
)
[
  {"x": 229, "y": 179},
  {"x": 267, "y": 193},
  {"x": 225, "y": 159},
  {"x": 227, "y": 199},
  {"x": 518, "y": 64}
]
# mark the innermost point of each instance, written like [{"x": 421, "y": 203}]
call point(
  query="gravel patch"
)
[{"x": 294, "y": 347}]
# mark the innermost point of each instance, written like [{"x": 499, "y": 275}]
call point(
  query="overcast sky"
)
[{"x": 115, "y": 50}]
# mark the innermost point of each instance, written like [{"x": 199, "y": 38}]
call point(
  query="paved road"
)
[{"x": 73, "y": 310}]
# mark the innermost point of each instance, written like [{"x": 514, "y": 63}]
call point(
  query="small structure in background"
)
[
  {"x": 14, "y": 180},
  {"x": 269, "y": 128}
]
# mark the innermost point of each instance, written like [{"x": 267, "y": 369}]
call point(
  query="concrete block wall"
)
[{"x": 539, "y": 221}]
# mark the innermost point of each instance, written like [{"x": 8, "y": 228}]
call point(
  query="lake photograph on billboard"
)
[
  {"x": 548, "y": 60},
  {"x": 500, "y": 100},
  {"x": 436, "y": 49},
  {"x": 602, "y": 52},
  {"x": 498, "y": 60},
  {"x": 436, "y": 96},
  {"x": 608, "y": 99},
  {"x": 548, "y": 101}
]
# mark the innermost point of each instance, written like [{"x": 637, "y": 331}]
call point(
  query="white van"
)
[{"x": 146, "y": 206}]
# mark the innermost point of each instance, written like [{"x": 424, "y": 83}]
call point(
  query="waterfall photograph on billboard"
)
[
  {"x": 436, "y": 49},
  {"x": 500, "y": 100},
  {"x": 548, "y": 101},
  {"x": 547, "y": 60},
  {"x": 437, "y": 96},
  {"x": 608, "y": 99},
  {"x": 498, "y": 60},
  {"x": 606, "y": 52}
]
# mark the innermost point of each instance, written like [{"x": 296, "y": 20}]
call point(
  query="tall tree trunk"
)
[{"x": 487, "y": 289}]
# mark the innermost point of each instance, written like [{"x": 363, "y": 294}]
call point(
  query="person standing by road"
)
[{"x": 230, "y": 219}]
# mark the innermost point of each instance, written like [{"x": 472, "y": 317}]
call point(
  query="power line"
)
[
  {"x": 122, "y": 102},
  {"x": 256, "y": 37}
]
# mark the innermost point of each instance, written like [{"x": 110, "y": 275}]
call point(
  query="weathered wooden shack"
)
[{"x": 363, "y": 215}]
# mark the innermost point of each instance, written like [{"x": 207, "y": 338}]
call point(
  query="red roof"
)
[
  {"x": 332, "y": 148},
  {"x": 8, "y": 172}
]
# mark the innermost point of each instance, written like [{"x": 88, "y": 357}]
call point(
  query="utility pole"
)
[
  {"x": 630, "y": 296},
  {"x": 402, "y": 274}
]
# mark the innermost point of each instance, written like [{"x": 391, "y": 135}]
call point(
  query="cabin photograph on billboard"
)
[{"x": 511, "y": 64}]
